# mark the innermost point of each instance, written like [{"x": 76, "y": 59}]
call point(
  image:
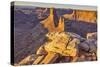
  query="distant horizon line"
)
[{"x": 54, "y": 5}]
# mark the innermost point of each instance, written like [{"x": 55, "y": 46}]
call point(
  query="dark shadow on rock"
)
[{"x": 80, "y": 27}]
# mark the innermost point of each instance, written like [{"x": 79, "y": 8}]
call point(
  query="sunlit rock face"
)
[
  {"x": 81, "y": 15},
  {"x": 87, "y": 16},
  {"x": 60, "y": 43},
  {"x": 50, "y": 22},
  {"x": 92, "y": 35}
]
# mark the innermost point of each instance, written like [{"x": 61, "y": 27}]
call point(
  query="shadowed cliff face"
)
[
  {"x": 30, "y": 33},
  {"x": 80, "y": 27},
  {"x": 27, "y": 41}
]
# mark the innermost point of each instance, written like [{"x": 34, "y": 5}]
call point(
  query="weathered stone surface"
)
[
  {"x": 88, "y": 45},
  {"x": 30, "y": 35},
  {"x": 92, "y": 35}
]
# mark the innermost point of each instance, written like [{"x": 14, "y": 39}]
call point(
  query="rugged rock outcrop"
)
[{"x": 30, "y": 33}]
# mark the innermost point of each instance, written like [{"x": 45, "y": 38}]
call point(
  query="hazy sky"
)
[{"x": 48, "y": 5}]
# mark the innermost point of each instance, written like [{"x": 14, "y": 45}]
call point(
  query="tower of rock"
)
[{"x": 50, "y": 25}]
